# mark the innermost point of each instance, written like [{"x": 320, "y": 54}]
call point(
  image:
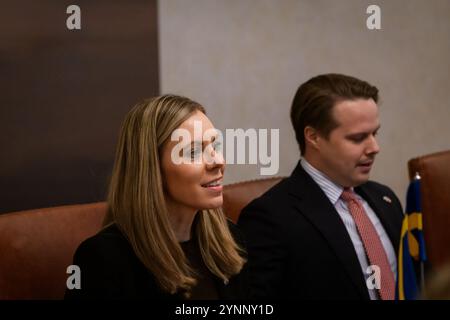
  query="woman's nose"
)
[{"x": 214, "y": 159}]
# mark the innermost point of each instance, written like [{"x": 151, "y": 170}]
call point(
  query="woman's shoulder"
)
[
  {"x": 108, "y": 244},
  {"x": 110, "y": 268},
  {"x": 109, "y": 233}
]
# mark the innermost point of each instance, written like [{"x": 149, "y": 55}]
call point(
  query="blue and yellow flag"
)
[{"x": 412, "y": 245}]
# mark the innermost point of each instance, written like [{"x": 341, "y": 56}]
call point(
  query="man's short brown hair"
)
[{"x": 314, "y": 101}]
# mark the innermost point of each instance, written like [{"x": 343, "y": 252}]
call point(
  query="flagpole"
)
[
  {"x": 422, "y": 276},
  {"x": 422, "y": 268}
]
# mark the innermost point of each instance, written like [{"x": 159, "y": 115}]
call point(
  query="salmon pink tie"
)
[{"x": 372, "y": 244}]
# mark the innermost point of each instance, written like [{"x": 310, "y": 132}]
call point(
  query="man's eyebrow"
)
[{"x": 363, "y": 132}]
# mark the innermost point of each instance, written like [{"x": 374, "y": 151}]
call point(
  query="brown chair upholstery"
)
[
  {"x": 36, "y": 246},
  {"x": 434, "y": 170},
  {"x": 237, "y": 196}
]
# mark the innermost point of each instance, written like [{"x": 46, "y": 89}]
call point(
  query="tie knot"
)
[{"x": 348, "y": 195}]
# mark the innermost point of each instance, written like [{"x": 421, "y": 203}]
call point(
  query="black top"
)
[
  {"x": 111, "y": 270},
  {"x": 205, "y": 288}
]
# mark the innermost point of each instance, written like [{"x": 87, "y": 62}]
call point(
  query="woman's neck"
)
[{"x": 181, "y": 220}]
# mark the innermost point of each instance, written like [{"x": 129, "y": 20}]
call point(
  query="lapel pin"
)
[{"x": 387, "y": 199}]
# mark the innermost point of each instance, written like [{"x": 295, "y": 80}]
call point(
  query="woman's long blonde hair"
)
[{"x": 136, "y": 200}]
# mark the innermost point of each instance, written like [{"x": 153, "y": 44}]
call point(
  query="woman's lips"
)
[
  {"x": 215, "y": 188},
  {"x": 215, "y": 185}
]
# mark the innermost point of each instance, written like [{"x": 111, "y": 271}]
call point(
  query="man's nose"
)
[{"x": 373, "y": 147}]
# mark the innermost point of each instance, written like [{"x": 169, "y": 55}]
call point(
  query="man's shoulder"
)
[
  {"x": 272, "y": 195},
  {"x": 275, "y": 202},
  {"x": 376, "y": 187}
]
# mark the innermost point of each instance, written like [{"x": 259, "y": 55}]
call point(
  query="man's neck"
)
[{"x": 316, "y": 164}]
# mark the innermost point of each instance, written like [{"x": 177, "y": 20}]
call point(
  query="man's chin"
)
[
  {"x": 361, "y": 179},
  {"x": 356, "y": 180}
]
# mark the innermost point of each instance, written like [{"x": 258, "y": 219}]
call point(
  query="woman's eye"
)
[
  {"x": 195, "y": 152},
  {"x": 217, "y": 146}
]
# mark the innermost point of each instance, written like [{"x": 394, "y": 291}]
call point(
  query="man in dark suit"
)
[{"x": 327, "y": 232}]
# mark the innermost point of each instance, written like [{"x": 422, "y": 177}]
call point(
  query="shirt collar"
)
[{"x": 332, "y": 190}]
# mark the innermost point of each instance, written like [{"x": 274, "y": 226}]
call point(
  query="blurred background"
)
[{"x": 65, "y": 92}]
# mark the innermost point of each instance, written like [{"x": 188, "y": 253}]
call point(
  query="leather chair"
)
[
  {"x": 434, "y": 170},
  {"x": 36, "y": 246},
  {"x": 236, "y": 196}
]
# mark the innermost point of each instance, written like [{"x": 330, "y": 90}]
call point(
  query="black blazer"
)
[
  {"x": 111, "y": 270},
  {"x": 298, "y": 246}
]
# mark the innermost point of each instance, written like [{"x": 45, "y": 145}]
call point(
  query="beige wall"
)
[{"x": 244, "y": 59}]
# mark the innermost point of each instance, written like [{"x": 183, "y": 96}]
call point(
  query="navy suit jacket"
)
[{"x": 298, "y": 246}]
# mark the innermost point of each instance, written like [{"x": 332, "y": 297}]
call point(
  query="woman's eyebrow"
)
[{"x": 201, "y": 143}]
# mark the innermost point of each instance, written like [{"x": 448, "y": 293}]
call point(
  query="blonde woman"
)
[{"x": 165, "y": 236}]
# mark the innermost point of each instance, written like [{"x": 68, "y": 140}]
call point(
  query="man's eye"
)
[{"x": 358, "y": 139}]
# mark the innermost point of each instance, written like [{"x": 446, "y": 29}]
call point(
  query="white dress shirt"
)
[{"x": 333, "y": 192}]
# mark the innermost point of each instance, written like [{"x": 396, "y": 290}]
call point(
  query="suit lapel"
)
[
  {"x": 317, "y": 208},
  {"x": 382, "y": 209}
]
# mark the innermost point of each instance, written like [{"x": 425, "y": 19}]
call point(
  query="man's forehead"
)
[{"x": 355, "y": 110}]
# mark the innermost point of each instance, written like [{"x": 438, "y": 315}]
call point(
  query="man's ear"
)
[{"x": 311, "y": 137}]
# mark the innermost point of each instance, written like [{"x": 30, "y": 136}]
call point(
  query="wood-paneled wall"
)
[{"x": 64, "y": 94}]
